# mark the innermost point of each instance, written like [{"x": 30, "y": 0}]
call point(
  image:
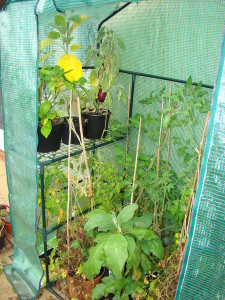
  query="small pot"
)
[
  {"x": 97, "y": 125},
  {"x": 77, "y": 285},
  {"x": 65, "y": 131},
  {"x": 7, "y": 226},
  {"x": 2, "y": 238},
  {"x": 53, "y": 141}
]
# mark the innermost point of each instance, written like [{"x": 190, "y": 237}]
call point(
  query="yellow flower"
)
[{"x": 71, "y": 64}]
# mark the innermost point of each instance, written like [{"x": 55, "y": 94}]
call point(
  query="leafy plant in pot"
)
[
  {"x": 80, "y": 242},
  {"x": 2, "y": 235},
  {"x": 5, "y": 218},
  {"x": 127, "y": 246},
  {"x": 106, "y": 60},
  {"x": 59, "y": 79}
]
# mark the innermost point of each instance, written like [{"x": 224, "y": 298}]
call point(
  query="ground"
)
[{"x": 6, "y": 290}]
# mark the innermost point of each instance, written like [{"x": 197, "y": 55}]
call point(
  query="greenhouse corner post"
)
[
  {"x": 203, "y": 194},
  {"x": 19, "y": 65}
]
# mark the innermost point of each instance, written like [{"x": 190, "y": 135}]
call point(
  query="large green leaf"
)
[
  {"x": 101, "y": 219},
  {"x": 44, "y": 57},
  {"x": 153, "y": 246},
  {"x": 139, "y": 233},
  {"x": 116, "y": 253},
  {"x": 133, "y": 259},
  {"x": 146, "y": 264},
  {"x": 145, "y": 221},
  {"x": 95, "y": 261},
  {"x": 127, "y": 213},
  {"x": 109, "y": 285},
  {"x": 105, "y": 82}
]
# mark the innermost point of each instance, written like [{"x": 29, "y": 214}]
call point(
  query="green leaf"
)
[
  {"x": 145, "y": 221},
  {"x": 60, "y": 20},
  {"x": 120, "y": 43},
  {"x": 75, "y": 245},
  {"x": 44, "y": 57},
  {"x": 109, "y": 285},
  {"x": 45, "y": 43},
  {"x": 45, "y": 107},
  {"x": 116, "y": 253},
  {"x": 153, "y": 246},
  {"x": 101, "y": 219},
  {"x": 46, "y": 130},
  {"x": 54, "y": 35},
  {"x": 188, "y": 83},
  {"x": 93, "y": 76},
  {"x": 75, "y": 47},
  {"x": 75, "y": 18},
  {"x": 133, "y": 259},
  {"x": 105, "y": 83},
  {"x": 127, "y": 213},
  {"x": 146, "y": 264},
  {"x": 52, "y": 85},
  {"x": 139, "y": 233},
  {"x": 95, "y": 261}
]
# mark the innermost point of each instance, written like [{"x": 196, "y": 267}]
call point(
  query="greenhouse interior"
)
[{"x": 113, "y": 118}]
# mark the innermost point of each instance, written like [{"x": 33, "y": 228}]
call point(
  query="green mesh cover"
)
[
  {"x": 203, "y": 273},
  {"x": 169, "y": 38},
  {"x": 18, "y": 36}
]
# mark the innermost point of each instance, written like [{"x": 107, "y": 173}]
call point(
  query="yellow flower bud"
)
[{"x": 71, "y": 64}]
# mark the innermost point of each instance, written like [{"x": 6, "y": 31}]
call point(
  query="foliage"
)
[
  {"x": 67, "y": 75},
  {"x": 126, "y": 245},
  {"x": 55, "y": 192},
  {"x": 106, "y": 60}
]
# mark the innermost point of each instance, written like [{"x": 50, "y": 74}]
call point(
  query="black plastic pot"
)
[
  {"x": 53, "y": 141},
  {"x": 65, "y": 131},
  {"x": 2, "y": 238},
  {"x": 97, "y": 125}
]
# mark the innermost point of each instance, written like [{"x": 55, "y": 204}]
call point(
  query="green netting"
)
[
  {"x": 19, "y": 83},
  {"x": 166, "y": 38}
]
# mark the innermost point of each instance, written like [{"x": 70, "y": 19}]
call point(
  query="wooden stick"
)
[
  {"x": 160, "y": 133},
  {"x": 128, "y": 117},
  {"x": 169, "y": 133},
  {"x": 68, "y": 180},
  {"x": 136, "y": 161},
  {"x": 195, "y": 179},
  {"x": 90, "y": 194}
]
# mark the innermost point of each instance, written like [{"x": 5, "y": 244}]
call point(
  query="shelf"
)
[{"x": 45, "y": 159}]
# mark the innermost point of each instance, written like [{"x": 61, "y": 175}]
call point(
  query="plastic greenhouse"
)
[{"x": 165, "y": 42}]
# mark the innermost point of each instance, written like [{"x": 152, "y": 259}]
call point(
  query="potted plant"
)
[
  {"x": 5, "y": 218},
  {"x": 62, "y": 266},
  {"x": 2, "y": 235},
  {"x": 106, "y": 60},
  {"x": 54, "y": 82},
  {"x": 126, "y": 245}
]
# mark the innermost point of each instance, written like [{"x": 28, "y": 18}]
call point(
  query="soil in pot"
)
[
  {"x": 53, "y": 141},
  {"x": 97, "y": 124},
  {"x": 81, "y": 289},
  {"x": 65, "y": 131},
  {"x": 2, "y": 238}
]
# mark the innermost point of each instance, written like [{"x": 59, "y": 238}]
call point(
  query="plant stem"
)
[
  {"x": 68, "y": 196},
  {"x": 90, "y": 194},
  {"x": 136, "y": 161}
]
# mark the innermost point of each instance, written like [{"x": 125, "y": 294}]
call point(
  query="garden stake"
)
[
  {"x": 169, "y": 132},
  {"x": 160, "y": 133},
  {"x": 128, "y": 117},
  {"x": 193, "y": 188},
  {"x": 90, "y": 194},
  {"x": 135, "y": 168},
  {"x": 68, "y": 180}
]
